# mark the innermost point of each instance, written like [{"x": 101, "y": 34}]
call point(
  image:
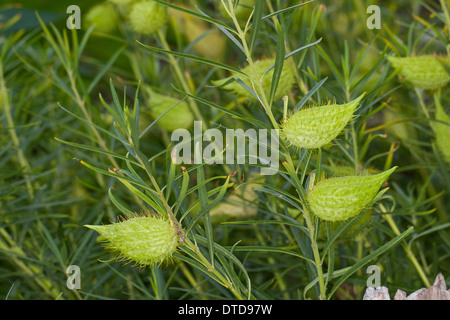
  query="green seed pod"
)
[
  {"x": 103, "y": 16},
  {"x": 147, "y": 17},
  {"x": 317, "y": 126},
  {"x": 442, "y": 132},
  {"x": 337, "y": 199},
  {"x": 284, "y": 86},
  {"x": 426, "y": 72},
  {"x": 146, "y": 240},
  {"x": 180, "y": 117}
]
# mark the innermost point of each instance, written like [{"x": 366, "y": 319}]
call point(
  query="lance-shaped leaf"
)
[
  {"x": 286, "y": 80},
  {"x": 178, "y": 117},
  {"x": 337, "y": 199}
]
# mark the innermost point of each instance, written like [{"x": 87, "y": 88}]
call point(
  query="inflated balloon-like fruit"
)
[
  {"x": 338, "y": 199},
  {"x": 426, "y": 72},
  {"x": 315, "y": 127},
  {"x": 180, "y": 117},
  {"x": 146, "y": 240},
  {"x": 442, "y": 132},
  {"x": 147, "y": 17},
  {"x": 103, "y": 17},
  {"x": 284, "y": 86}
]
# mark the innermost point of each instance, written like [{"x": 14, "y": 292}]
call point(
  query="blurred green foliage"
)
[{"x": 46, "y": 196}]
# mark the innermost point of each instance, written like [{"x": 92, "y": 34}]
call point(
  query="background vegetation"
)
[{"x": 50, "y": 80}]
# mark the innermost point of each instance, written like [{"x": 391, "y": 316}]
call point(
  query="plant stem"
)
[
  {"x": 406, "y": 247},
  {"x": 254, "y": 76},
  {"x": 4, "y": 98},
  {"x": 267, "y": 107},
  {"x": 181, "y": 78},
  {"x": 32, "y": 271},
  {"x": 422, "y": 103},
  {"x": 446, "y": 15},
  {"x": 222, "y": 280},
  {"x": 317, "y": 260}
]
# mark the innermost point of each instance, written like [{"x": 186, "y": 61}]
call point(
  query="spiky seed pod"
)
[
  {"x": 103, "y": 16},
  {"x": 180, "y": 117},
  {"x": 426, "y": 72},
  {"x": 442, "y": 132},
  {"x": 315, "y": 127},
  {"x": 147, "y": 17},
  {"x": 337, "y": 199},
  {"x": 146, "y": 240},
  {"x": 284, "y": 86}
]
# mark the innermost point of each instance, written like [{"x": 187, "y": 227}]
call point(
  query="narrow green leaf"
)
[
  {"x": 194, "y": 58},
  {"x": 431, "y": 230},
  {"x": 203, "y": 199},
  {"x": 184, "y": 188},
  {"x": 246, "y": 87},
  {"x": 391, "y": 244},
  {"x": 105, "y": 69},
  {"x": 117, "y": 106},
  {"x": 256, "y": 26},
  {"x": 284, "y": 10},
  {"x": 171, "y": 174},
  {"x": 328, "y": 276},
  {"x": 193, "y": 13},
  {"x": 119, "y": 205},
  {"x": 97, "y": 150},
  {"x": 302, "y": 102},
  {"x": 298, "y": 186},
  {"x": 278, "y": 195},
  {"x": 271, "y": 249},
  {"x": 216, "y": 106},
  {"x": 227, "y": 33},
  {"x": 279, "y": 62}
]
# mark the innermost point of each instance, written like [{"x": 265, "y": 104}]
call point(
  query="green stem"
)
[
  {"x": 446, "y": 15},
  {"x": 4, "y": 98},
  {"x": 409, "y": 252},
  {"x": 280, "y": 281},
  {"x": 222, "y": 280},
  {"x": 267, "y": 107},
  {"x": 254, "y": 76},
  {"x": 181, "y": 78},
  {"x": 422, "y": 103},
  {"x": 31, "y": 271}
]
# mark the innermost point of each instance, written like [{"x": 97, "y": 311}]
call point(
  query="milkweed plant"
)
[{"x": 359, "y": 123}]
